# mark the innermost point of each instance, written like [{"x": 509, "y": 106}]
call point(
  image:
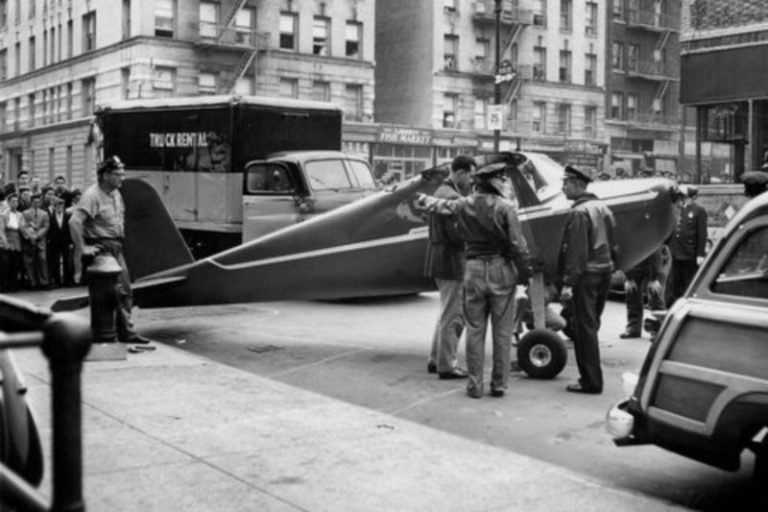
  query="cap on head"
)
[
  {"x": 691, "y": 191},
  {"x": 574, "y": 173},
  {"x": 491, "y": 171},
  {"x": 110, "y": 164}
]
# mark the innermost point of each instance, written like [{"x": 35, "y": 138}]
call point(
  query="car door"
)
[{"x": 273, "y": 198}]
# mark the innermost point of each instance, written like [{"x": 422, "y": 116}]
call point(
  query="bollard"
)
[
  {"x": 102, "y": 280},
  {"x": 66, "y": 342}
]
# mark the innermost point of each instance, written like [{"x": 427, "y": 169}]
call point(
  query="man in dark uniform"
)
[
  {"x": 646, "y": 275},
  {"x": 59, "y": 246},
  {"x": 445, "y": 264},
  {"x": 497, "y": 259},
  {"x": 97, "y": 223},
  {"x": 687, "y": 244},
  {"x": 755, "y": 182},
  {"x": 585, "y": 265}
]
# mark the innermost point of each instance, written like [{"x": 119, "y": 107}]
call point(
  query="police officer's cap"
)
[
  {"x": 110, "y": 164},
  {"x": 755, "y": 178},
  {"x": 491, "y": 171},
  {"x": 691, "y": 191},
  {"x": 574, "y": 173}
]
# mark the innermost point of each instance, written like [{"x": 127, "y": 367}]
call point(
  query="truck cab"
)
[{"x": 288, "y": 187}]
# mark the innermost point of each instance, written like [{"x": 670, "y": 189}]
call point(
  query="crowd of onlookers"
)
[{"x": 36, "y": 250}]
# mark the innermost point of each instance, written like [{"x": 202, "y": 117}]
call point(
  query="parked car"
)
[{"x": 702, "y": 391}]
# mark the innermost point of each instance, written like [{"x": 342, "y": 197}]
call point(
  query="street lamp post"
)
[{"x": 497, "y": 83}]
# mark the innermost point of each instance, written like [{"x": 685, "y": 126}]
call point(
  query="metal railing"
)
[
  {"x": 652, "y": 19},
  {"x": 65, "y": 339}
]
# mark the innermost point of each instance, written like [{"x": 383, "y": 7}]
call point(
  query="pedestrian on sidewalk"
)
[
  {"x": 444, "y": 263},
  {"x": 585, "y": 265}
]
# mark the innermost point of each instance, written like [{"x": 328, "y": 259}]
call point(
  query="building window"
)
[
  {"x": 17, "y": 14},
  {"x": 32, "y": 9},
  {"x": 125, "y": 83},
  {"x": 163, "y": 81},
  {"x": 540, "y": 13},
  {"x": 617, "y": 104},
  {"x": 45, "y": 47},
  {"x": 449, "y": 5},
  {"x": 631, "y": 111},
  {"x": 618, "y": 10},
  {"x": 450, "y": 51},
  {"x": 126, "y": 19},
  {"x": 31, "y": 100},
  {"x": 70, "y": 39},
  {"x": 52, "y": 109},
  {"x": 564, "y": 119},
  {"x": 206, "y": 83},
  {"x": 17, "y": 60},
  {"x": 353, "y": 102},
  {"x": 32, "y": 53},
  {"x": 3, "y": 65},
  {"x": 539, "y": 117},
  {"x": 539, "y": 63},
  {"x": 88, "y": 93},
  {"x": 633, "y": 57},
  {"x": 287, "y": 31},
  {"x": 68, "y": 164},
  {"x": 590, "y": 122},
  {"x": 482, "y": 52},
  {"x": 617, "y": 56},
  {"x": 69, "y": 100},
  {"x": 245, "y": 20},
  {"x": 590, "y": 69},
  {"x": 17, "y": 114},
  {"x": 321, "y": 91},
  {"x": 590, "y": 22},
  {"x": 450, "y": 104},
  {"x": 289, "y": 88},
  {"x": 321, "y": 28},
  {"x": 658, "y": 106},
  {"x": 165, "y": 13},
  {"x": 565, "y": 66},
  {"x": 566, "y": 15},
  {"x": 209, "y": 20},
  {"x": 481, "y": 110},
  {"x": 3, "y": 19},
  {"x": 354, "y": 36},
  {"x": 53, "y": 45},
  {"x": 89, "y": 31}
]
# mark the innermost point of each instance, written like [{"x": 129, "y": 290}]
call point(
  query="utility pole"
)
[{"x": 497, "y": 83}]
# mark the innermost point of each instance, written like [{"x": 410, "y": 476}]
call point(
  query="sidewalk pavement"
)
[{"x": 170, "y": 431}]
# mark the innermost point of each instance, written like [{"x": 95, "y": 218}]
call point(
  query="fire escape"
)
[
  {"x": 245, "y": 42},
  {"x": 656, "y": 70},
  {"x": 512, "y": 21}
]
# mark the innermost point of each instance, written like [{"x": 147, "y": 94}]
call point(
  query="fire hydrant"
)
[{"x": 102, "y": 282}]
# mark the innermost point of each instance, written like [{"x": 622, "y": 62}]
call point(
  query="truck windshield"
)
[{"x": 328, "y": 175}]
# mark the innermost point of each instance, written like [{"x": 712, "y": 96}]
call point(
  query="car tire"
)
[{"x": 542, "y": 354}]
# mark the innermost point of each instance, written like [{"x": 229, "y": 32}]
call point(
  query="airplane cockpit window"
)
[
  {"x": 269, "y": 179},
  {"x": 327, "y": 175},
  {"x": 543, "y": 173},
  {"x": 746, "y": 272}
]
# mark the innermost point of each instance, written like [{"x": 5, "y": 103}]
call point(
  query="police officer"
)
[
  {"x": 97, "y": 223},
  {"x": 688, "y": 243},
  {"x": 585, "y": 265},
  {"x": 445, "y": 264},
  {"x": 497, "y": 258},
  {"x": 755, "y": 182}
]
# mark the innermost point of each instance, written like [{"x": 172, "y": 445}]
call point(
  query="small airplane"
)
[{"x": 372, "y": 247}]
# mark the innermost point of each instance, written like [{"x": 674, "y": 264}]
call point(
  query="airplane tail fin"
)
[{"x": 153, "y": 243}]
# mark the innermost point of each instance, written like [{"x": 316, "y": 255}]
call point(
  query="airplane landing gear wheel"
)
[{"x": 542, "y": 354}]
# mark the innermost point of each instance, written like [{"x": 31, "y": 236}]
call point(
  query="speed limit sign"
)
[{"x": 495, "y": 117}]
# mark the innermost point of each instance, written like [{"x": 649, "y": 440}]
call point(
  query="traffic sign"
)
[{"x": 495, "y": 117}]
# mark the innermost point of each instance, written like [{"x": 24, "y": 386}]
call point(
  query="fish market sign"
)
[
  {"x": 178, "y": 139},
  {"x": 392, "y": 135}
]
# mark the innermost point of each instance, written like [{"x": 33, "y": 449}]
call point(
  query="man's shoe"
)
[
  {"x": 456, "y": 373},
  {"x": 498, "y": 393},
  {"x": 431, "y": 368},
  {"x": 578, "y": 388},
  {"x": 139, "y": 340},
  {"x": 629, "y": 334},
  {"x": 474, "y": 394}
]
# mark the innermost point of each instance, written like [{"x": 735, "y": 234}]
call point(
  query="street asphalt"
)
[{"x": 179, "y": 432}]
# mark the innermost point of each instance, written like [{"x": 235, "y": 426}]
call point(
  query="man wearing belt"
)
[
  {"x": 497, "y": 259},
  {"x": 687, "y": 244},
  {"x": 444, "y": 263},
  {"x": 97, "y": 223},
  {"x": 585, "y": 265}
]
